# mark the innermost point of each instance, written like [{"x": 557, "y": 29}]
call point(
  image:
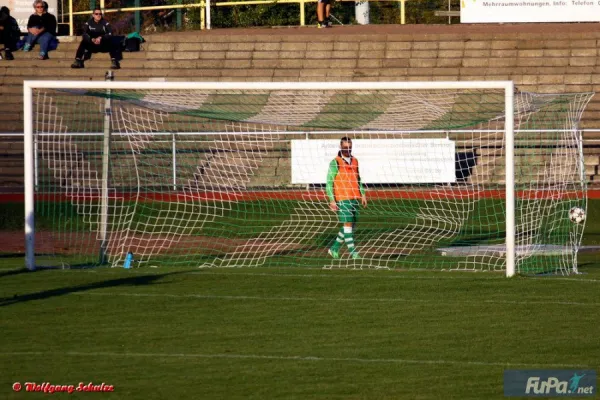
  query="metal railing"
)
[
  {"x": 171, "y": 141},
  {"x": 205, "y": 5}
]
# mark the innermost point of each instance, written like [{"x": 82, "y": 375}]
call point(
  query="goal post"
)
[
  {"x": 216, "y": 174},
  {"x": 28, "y": 158},
  {"x": 509, "y": 135}
]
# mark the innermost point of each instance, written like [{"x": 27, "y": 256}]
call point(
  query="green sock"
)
[
  {"x": 338, "y": 240},
  {"x": 349, "y": 239}
]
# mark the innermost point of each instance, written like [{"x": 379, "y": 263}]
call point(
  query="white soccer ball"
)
[{"x": 577, "y": 215}]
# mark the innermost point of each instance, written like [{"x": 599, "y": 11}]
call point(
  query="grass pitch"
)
[
  {"x": 304, "y": 333},
  {"x": 290, "y": 332}
]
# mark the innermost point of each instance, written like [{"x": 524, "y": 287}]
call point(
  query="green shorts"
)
[{"x": 348, "y": 210}]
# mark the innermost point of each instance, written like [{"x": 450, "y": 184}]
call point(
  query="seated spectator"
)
[
  {"x": 41, "y": 29},
  {"x": 9, "y": 33},
  {"x": 98, "y": 38}
]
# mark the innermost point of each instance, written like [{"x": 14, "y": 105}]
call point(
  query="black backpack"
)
[{"x": 132, "y": 44}]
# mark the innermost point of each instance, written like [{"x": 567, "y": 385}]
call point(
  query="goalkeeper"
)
[{"x": 346, "y": 193}]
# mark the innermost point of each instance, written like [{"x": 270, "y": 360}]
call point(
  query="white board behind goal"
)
[{"x": 381, "y": 161}]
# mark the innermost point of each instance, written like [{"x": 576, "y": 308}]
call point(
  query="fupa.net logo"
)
[
  {"x": 550, "y": 383},
  {"x": 553, "y": 386}
]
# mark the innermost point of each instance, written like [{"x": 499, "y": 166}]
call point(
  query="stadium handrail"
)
[{"x": 205, "y": 9}]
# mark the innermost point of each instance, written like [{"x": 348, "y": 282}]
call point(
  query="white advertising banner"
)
[
  {"x": 380, "y": 160},
  {"x": 22, "y": 9},
  {"x": 475, "y": 11}
]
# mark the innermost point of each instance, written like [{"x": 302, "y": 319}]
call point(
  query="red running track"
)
[{"x": 306, "y": 195}]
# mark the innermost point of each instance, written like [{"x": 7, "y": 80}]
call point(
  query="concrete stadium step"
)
[
  {"x": 592, "y": 149},
  {"x": 11, "y": 160}
]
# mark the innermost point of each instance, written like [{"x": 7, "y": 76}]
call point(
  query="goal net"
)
[{"x": 248, "y": 174}]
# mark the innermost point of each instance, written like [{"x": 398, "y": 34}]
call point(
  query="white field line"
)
[
  {"x": 567, "y": 279},
  {"x": 466, "y": 275},
  {"x": 405, "y": 275},
  {"x": 440, "y": 275},
  {"x": 332, "y": 299},
  {"x": 285, "y": 358}
]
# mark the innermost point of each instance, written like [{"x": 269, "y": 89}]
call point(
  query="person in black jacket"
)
[
  {"x": 98, "y": 38},
  {"x": 9, "y": 32},
  {"x": 41, "y": 29}
]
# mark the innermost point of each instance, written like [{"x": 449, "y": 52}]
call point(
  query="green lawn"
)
[
  {"x": 292, "y": 332},
  {"x": 285, "y": 332}
]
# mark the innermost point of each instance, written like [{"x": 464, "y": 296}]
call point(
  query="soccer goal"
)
[{"x": 455, "y": 175}]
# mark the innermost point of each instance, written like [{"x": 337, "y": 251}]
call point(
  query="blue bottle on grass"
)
[{"x": 128, "y": 260}]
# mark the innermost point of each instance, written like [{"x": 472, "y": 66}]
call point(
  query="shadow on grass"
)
[
  {"x": 16, "y": 260},
  {"x": 12, "y": 255},
  {"x": 112, "y": 283},
  {"x": 10, "y": 272},
  {"x": 588, "y": 265}
]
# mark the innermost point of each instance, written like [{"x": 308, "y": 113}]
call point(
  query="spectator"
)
[
  {"x": 9, "y": 33},
  {"x": 98, "y": 38},
  {"x": 323, "y": 12},
  {"x": 41, "y": 29}
]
